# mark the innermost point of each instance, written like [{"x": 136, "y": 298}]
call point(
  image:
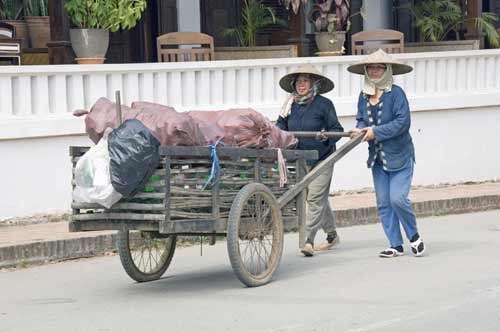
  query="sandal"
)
[
  {"x": 390, "y": 253},
  {"x": 307, "y": 250},
  {"x": 417, "y": 247}
]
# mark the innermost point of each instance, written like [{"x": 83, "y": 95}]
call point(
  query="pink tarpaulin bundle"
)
[
  {"x": 245, "y": 128},
  {"x": 103, "y": 115},
  {"x": 235, "y": 127},
  {"x": 167, "y": 125},
  {"x": 242, "y": 128}
]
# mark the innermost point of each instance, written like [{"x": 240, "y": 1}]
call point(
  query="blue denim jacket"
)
[{"x": 392, "y": 143}]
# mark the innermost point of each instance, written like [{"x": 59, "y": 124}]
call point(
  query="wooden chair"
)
[
  {"x": 10, "y": 47},
  {"x": 366, "y": 42},
  {"x": 169, "y": 49}
]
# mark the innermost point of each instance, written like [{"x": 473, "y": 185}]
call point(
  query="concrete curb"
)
[
  {"x": 369, "y": 215},
  {"x": 46, "y": 251}
]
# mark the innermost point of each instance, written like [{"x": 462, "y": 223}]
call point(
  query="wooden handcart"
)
[{"x": 245, "y": 203}]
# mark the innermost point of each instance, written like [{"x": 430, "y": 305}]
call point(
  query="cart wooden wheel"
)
[
  {"x": 255, "y": 235},
  {"x": 145, "y": 256}
]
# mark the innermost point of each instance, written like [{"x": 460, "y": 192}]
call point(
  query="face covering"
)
[{"x": 383, "y": 83}]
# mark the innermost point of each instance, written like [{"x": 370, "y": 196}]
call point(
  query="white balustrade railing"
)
[{"x": 444, "y": 80}]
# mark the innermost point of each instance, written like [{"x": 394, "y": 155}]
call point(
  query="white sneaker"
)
[
  {"x": 417, "y": 247},
  {"x": 390, "y": 253}
]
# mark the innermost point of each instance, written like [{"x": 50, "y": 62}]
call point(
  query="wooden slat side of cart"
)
[{"x": 173, "y": 202}]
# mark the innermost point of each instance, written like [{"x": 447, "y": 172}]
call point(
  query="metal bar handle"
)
[
  {"x": 118, "y": 102},
  {"x": 318, "y": 133},
  {"x": 320, "y": 167}
]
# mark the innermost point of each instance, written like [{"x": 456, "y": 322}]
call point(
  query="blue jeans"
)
[{"x": 394, "y": 207}]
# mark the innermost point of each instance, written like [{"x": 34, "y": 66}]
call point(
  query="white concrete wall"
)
[
  {"x": 35, "y": 175},
  {"x": 450, "y": 146},
  {"x": 454, "y": 98}
]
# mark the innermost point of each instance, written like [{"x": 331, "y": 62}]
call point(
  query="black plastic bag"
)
[{"x": 134, "y": 156}]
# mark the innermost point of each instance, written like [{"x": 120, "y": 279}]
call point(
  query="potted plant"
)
[
  {"x": 94, "y": 19},
  {"x": 36, "y": 15},
  {"x": 256, "y": 16},
  {"x": 11, "y": 12},
  {"x": 438, "y": 20},
  {"x": 330, "y": 23}
]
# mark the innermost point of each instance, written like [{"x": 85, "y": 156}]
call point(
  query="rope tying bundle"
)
[
  {"x": 282, "y": 169},
  {"x": 215, "y": 171}
]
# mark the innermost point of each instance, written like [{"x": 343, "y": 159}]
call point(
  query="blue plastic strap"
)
[{"x": 215, "y": 171}]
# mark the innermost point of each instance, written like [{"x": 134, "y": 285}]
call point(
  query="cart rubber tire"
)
[
  {"x": 240, "y": 205},
  {"x": 130, "y": 265}
]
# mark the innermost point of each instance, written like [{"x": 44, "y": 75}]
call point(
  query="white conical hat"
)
[
  {"x": 325, "y": 84},
  {"x": 380, "y": 56}
]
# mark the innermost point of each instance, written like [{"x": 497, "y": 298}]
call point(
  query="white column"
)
[
  {"x": 188, "y": 15},
  {"x": 378, "y": 14}
]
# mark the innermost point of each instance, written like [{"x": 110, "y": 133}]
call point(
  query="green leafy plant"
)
[
  {"x": 256, "y": 16},
  {"x": 10, "y": 10},
  {"x": 435, "y": 19},
  {"x": 111, "y": 15},
  {"x": 35, "y": 7}
]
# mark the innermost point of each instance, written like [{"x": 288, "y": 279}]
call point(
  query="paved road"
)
[{"x": 455, "y": 288}]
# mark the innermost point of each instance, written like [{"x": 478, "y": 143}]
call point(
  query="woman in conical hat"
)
[
  {"x": 384, "y": 116},
  {"x": 307, "y": 110}
]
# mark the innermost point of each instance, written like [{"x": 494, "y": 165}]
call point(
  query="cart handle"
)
[
  {"x": 291, "y": 193},
  {"x": 323, "y": 133}
]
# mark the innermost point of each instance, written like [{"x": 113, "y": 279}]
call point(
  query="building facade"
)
[{"x": 212, "y": 16}]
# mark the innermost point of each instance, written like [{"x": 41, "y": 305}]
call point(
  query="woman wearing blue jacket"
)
[
  {"x": 307, "y": 110},
  {"x": 384, "y": 116}
]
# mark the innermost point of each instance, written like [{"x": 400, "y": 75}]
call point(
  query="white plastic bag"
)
[{"x": 92, "y": 177}]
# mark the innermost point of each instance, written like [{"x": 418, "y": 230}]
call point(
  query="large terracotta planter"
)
[
  {"x": 90, "y": 61},
  {"x": 39, "y": 29},
  {"x": 21, "y": 31},
  {"x": 330, "y": 41},
  {"x": 89, "y": 43}
]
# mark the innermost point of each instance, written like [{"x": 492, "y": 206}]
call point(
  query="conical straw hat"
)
[
  {"x": 380, "y": 56},
  {"x": 325, "y": 83}
]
